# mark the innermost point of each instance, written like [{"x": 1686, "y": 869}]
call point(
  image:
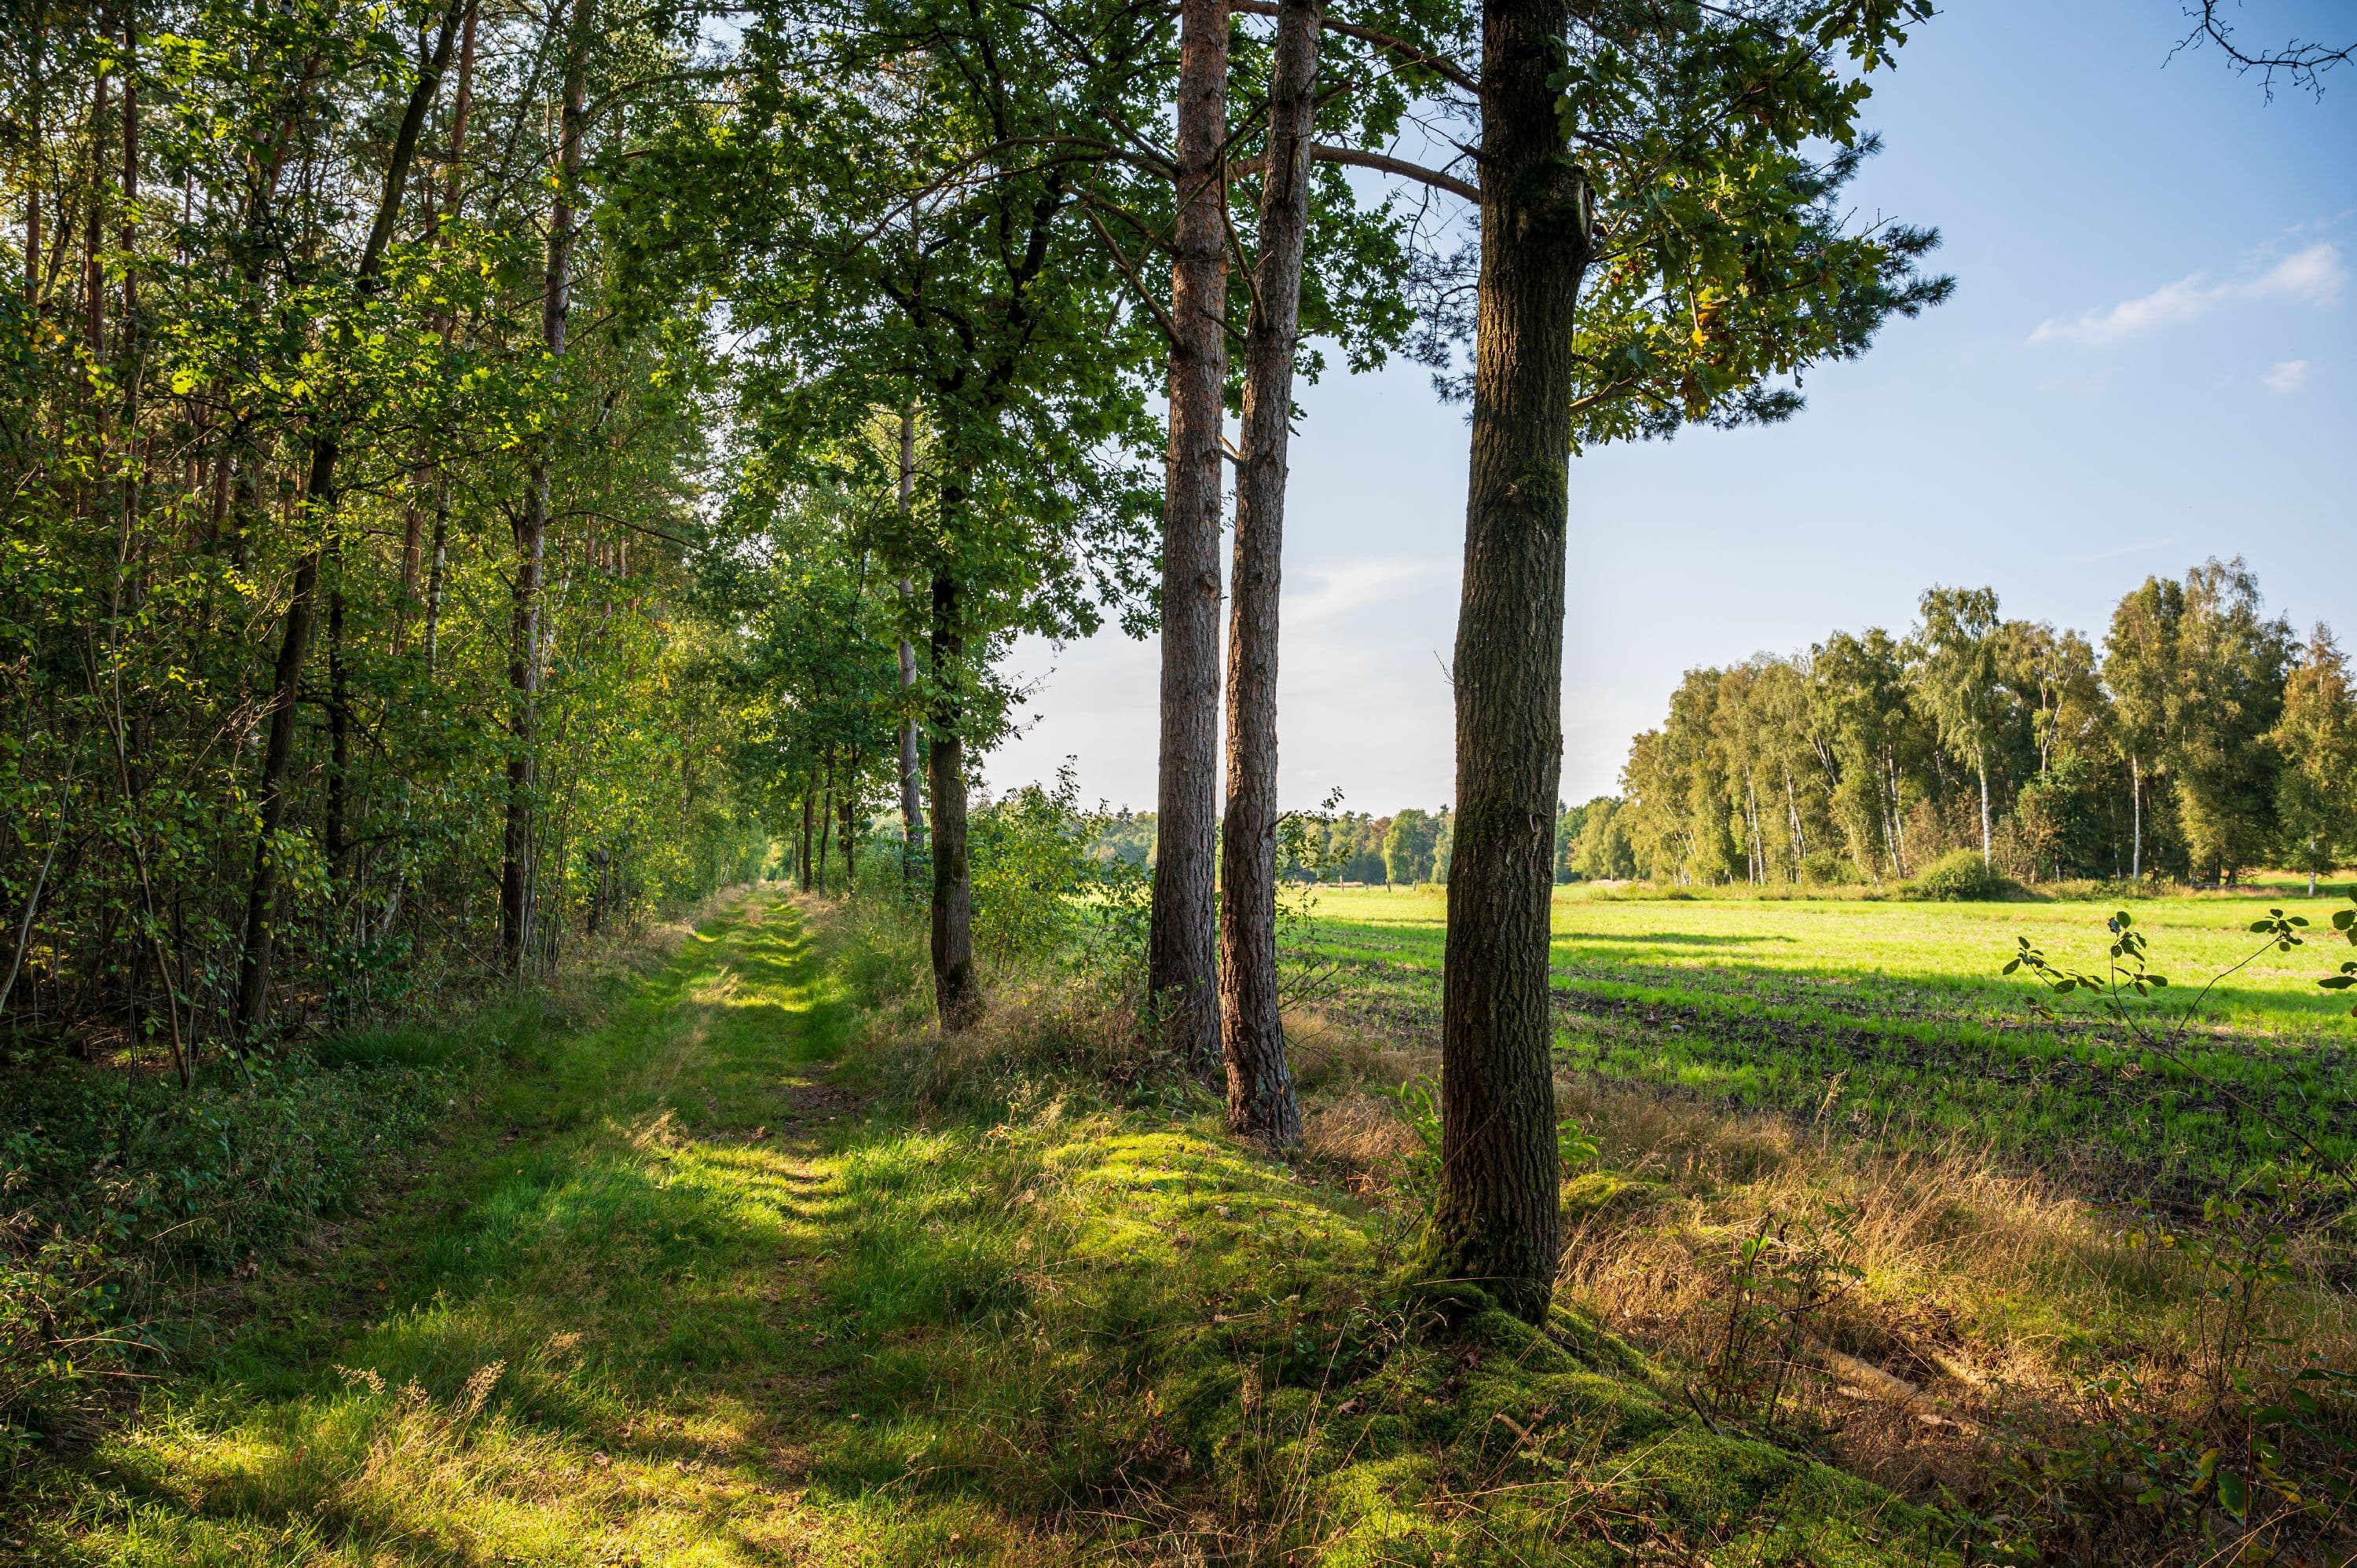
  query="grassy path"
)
[
  {"x": 672, "y": 1293},
  {"x": 573, "y": 1341}
]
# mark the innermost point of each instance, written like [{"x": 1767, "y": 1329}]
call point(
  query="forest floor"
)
[{"x": 708, "y": 1276}]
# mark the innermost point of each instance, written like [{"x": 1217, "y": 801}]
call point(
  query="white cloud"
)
[
  {"x": 1353, "y": 587},
  {"x": 2312, "y": 276},
  {"x": 2286, "y": 378}
]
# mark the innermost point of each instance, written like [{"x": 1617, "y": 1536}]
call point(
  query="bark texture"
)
[
  {"x": 1496, "y": 1220},
  {"x": 1182, "y": 944},
  {"x": 954, "y": 992},
  {"x": 1261, "y": 1100}
]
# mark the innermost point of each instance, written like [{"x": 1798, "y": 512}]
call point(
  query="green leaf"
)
[{"x": 2233, "y": 1495}]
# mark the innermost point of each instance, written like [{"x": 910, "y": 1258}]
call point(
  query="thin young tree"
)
[
  {"x": 320, "y": 493},
  {"x": 525, "y": 652}
]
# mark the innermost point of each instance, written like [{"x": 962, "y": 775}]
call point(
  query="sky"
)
[{"x": 2150, "y": 359}]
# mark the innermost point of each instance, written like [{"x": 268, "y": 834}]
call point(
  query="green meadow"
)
[{"x": 1896, "y": 1017}]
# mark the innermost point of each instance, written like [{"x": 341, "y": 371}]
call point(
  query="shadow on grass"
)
[{"x": 672, "y": 1296}]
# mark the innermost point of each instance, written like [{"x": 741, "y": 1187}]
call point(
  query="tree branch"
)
[
  {"x": 2304, "y": 63},
  {"x": 1384, "y": 162}
]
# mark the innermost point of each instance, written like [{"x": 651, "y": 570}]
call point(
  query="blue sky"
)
[{"x": 2151, "y": 358}]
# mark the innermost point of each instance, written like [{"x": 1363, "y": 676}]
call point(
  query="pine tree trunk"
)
[
  {"x": 532, "y": 528},
  {"x": 1181, "y": 952},
  {"x": 1496, "y": 1220},
  {"x": 954, "y": 992},
  {"x": 1260, "y": 1101},
  {"x": 803, "y": 866}
]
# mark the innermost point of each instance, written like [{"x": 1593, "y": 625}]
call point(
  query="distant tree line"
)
[{"x": 2200, "y": 739}]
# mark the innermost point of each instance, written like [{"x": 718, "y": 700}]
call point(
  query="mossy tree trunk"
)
[{"x": 1496, "y": 1220}]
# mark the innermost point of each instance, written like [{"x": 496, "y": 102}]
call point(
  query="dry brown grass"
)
[{"x": 1985, "y": 1299}]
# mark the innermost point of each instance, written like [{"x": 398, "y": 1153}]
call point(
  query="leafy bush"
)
[
  {"x": 1040, "y": 890},
  {"x": 114, "y": 1188},
  {"x": 1830, "y": 869},
  {"x": 1961, "y": 875}
]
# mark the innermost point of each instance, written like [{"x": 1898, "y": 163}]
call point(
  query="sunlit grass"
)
[{"x": 1887, "y": 1017}]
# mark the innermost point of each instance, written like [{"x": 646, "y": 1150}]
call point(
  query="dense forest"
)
[{"x": 350, "y": 639}]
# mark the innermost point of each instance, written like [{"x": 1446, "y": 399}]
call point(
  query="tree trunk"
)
[
  {"x": 1495, "y": 1223},
  {"x": 1260, "y": 1101},
  {"x": 803, "y": 865},
  {"x": 435, "y": 574},
  {"x": 912, "y": 799},
  {"x": 1182, "y": 941},
  {"x": 413, "y": 541},
  {"x": 461, "y": 103},
  {"x": 130, "y": 213},
  {"x": 531, "y": 527},
  {"x": 1980, "y": 763},
  {"x": 295, "y": 643},
  {"x": 850, "y": 844},
  {"x": 339, "y": 742},
  {"x": 826, "y": 828},
  {"x": 93, "y": 278},
  {"x": 954, "y": 992},
  {"x": 36, "y": 47},
  {"x": 2136, "y": 811},
  {"x": 278, "y": 755}
]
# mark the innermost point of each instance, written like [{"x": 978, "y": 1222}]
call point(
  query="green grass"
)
[
  {"x": 693, "y": 1283},
  {"x": 1894, "y": 1016}
]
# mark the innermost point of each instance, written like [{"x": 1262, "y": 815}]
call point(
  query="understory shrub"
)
[
  {"x": 1961, "y": 875},
  {"x": 118, "y": 1190}
]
